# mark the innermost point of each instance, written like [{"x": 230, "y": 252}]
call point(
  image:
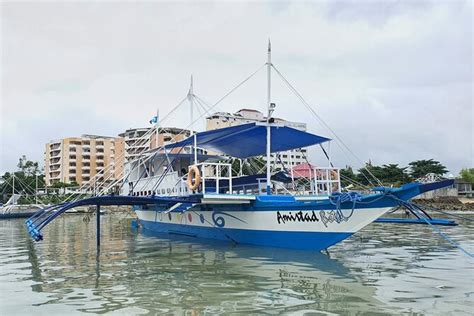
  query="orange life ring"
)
[{"x": 195, "y": 174}]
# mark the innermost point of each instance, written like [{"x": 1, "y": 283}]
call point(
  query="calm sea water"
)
[{"x": 384, "y": 269}]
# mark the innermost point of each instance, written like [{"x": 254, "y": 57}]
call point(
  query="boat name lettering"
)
[
  {"x": 297, "y": 217},
  {"x": 333, "y": 216}
]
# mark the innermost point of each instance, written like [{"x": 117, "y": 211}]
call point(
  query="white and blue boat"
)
[{"x": 189, "y": 188}]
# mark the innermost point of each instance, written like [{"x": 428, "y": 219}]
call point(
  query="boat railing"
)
[
  {"x": 255, "y": 188},
  {"x": 326, "y": 180},
  {"x": 164, "y": 185},
  {"x": 216, "y": 171}
]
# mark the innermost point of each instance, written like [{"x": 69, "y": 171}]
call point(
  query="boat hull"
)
[{"x": 305, "y": 230}]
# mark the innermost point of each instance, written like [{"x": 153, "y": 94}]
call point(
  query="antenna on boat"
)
[
  {"x": 270, "y": 108},
  {"x": 191, "y": 102}
]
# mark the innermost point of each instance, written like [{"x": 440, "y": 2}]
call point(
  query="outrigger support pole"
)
[{"x": 98, "y": 226}]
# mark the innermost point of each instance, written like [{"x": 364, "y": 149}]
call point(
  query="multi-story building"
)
[
  {"x": 243, "y": 116},
  {"x": 168, "y": 135},
  {"x": 137, "y": 141},
  {"x": 80, "y": 159}
]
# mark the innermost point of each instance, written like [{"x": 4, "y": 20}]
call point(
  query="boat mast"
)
[
  {"x": 191, "y": 102},
  {"x": 157, "y": 128},
  {"x": 270, "y": 110}
]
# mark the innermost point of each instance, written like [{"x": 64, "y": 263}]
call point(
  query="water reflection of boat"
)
[
  {"x": 185, "y": 274},
  {"x": 304, "y": 278}
]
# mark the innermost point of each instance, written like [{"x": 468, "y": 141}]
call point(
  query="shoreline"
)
[{"x": 453, "y": 204}]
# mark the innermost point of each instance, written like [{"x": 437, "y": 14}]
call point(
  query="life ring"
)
[{"x": 195, "y": 174}]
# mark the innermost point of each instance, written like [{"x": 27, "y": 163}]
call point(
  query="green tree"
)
[
  {"x": 366, "y": 175},
  {"x": 347, "y": 176},
  {"x": 467, "y": 174},
  {"x": 25, "y": 179},
  {"x": 392, "y": 174},
  {"x": 28, "y": 167},
  {"x": 60, "y": 184},
  {"x": 420, "y": 168}
]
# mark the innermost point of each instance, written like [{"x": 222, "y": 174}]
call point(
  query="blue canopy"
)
[{"x": 249, "y": 140}]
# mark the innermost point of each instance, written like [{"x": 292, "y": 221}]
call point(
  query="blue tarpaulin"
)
[{"x": 249, "y": 140}]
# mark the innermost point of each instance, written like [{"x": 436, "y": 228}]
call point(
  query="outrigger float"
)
[{"x": 189, "y": 188}]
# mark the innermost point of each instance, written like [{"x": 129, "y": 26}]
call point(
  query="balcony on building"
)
[
  {"x": 55, "y": 146},
  {"x": 55, "y": 162},
  {"x": 55, "y": 153},
  {"x": 99, "y": 144},
  {"x": 54, "y": 168}
]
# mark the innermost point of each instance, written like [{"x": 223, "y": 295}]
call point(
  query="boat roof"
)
[{"x": 248, "y": 140}]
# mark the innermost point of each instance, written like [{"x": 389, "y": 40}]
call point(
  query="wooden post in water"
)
[{"x": 98, "y": 226}]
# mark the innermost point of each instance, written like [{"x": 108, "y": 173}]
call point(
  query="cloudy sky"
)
[{"x": 394, "y": 79}]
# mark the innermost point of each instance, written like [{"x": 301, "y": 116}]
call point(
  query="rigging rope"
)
[{"x": 319, "y": 118}]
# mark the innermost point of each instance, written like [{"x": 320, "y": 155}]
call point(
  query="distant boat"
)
[{"x": 11, "y": 209}]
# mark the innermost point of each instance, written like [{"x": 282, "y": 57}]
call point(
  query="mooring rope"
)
[{"x": 338, "y": 198}]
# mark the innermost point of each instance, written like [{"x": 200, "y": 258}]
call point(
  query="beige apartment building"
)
[
  {"x": 80, "y": 159},
  {"x": 244, "y": 116},
  {"x": 168, "y": 135},
  {"x": 140, "y": 140},
  {"x": 136, "y": 142}
]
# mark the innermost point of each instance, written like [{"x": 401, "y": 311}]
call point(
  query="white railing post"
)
[
  {"x": 338, "y": 180},
  {"x": 316, "y": 187},
  {"x": 328, "y": 189},
  {"x": 203, "y": 172},
  {"x": 217, "y": 179},
  {"x": 230, "y": 178}
]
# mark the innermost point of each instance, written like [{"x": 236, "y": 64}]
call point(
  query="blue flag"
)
[{"x": 154, "y": 120}]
